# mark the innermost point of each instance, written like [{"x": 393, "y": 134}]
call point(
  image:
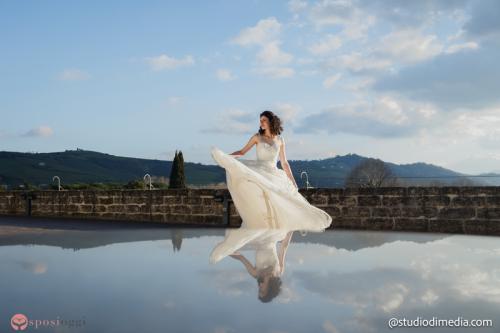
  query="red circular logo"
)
[{"x": 19, "y": 322}]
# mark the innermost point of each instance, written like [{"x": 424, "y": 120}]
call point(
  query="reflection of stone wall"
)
[{"x": 435, "y": 209}]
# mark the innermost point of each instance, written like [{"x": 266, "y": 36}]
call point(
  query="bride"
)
[{"x": 264, "y": 195}]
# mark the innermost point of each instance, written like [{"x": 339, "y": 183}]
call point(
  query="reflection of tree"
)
[
  {"x": 176, "y": 239},
  {"x": 371, "y": 173}
]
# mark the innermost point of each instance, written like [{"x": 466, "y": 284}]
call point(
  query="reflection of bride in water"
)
[{"x": 269, "y": 262}]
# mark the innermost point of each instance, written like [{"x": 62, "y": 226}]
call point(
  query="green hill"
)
[{"x": 84, "y": 166}]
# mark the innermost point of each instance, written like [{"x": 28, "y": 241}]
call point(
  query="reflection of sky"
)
[{"x": 145, "y": 286}]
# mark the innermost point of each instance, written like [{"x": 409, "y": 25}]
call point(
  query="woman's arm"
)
[
  {"x": 251, "y": 270},
  {"x": 284, "y": 162},
  {"x": 282, "y": 252},
  {"x": 250, "y": 143}
]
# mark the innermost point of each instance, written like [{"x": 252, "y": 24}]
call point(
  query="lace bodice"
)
[{"x": 268, "y": 152}]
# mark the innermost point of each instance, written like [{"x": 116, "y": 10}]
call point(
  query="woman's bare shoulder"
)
[{"x": 255, "y": 137}]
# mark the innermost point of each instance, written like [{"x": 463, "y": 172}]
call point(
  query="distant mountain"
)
[
  {"x": 85, "y": 166},
  {"x": 331, "y": 172}
]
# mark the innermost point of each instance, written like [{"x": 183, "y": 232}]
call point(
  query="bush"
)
[{"x": 135, "y": 184}]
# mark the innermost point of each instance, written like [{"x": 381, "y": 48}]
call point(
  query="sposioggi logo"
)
[{"x": 19, "y": 322}]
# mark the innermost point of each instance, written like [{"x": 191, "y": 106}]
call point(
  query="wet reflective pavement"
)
[{"x": 69, "y": 276}]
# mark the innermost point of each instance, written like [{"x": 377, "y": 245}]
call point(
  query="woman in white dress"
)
[
  {"x": 269, "y": 261},
  {"x": 264, "y": 195}
]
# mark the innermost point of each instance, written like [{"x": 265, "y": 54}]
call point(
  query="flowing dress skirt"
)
[{"x": 266, "y": 198}]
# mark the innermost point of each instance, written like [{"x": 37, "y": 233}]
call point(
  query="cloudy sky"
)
[{"x": 404, "y": 81}]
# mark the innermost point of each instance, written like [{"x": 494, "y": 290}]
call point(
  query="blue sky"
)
[{"x": 404, "y": 81}]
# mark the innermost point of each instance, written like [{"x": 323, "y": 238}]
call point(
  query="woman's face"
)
[
  {"x": 264, "y": 123},
  {"x": 263, "y": 286}
]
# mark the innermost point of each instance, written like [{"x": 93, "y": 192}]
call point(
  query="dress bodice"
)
[
  {"x": 266, "y": 152},
  {"x": 266, "y": 257}
]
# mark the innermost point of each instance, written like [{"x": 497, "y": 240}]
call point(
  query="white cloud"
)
[
  {"x": 353, "y": 20},
  {"x": 165, "y": 62},
  {"x": 41, "y": 131},
  {"x": 360, "y": 85},
  {"x": 460, "y": 47},
  {"x": 458, "y": 35},
  {"x": 480, "y": 125},
  {"x": 450, "y": 80},
  {"x": 397, "y": 48},
  {"x": 264, "y": 31},
  {"x": 309, "y": 72},
  {"x": 358, "y": 28},
  {"x": 385, "y": 117},
  {"x": 333, "y": 12},
  {"x": 276, "y": 72},
  {"x": 430, "y": 297},
  {"x": 286, "y": 111},
  {"x": 358, "y": 62},
  {"x": 234, "y": 121},
  {"x": 465, "y": 140},
  {"x": 400, "y": 14},
  {"x": 331, "y": 80},
  {"x": 73, "y": 74},
  {"x": 409, "y": 46},
  {"x": 271, "y": 61},
  {"x": 271, "y": 55},
  {"x": 326, "y": 45},
  {"x": 305, "y": 61},
  {"x": 297, "y": 5},
  {"x": 225, "y": 74}
]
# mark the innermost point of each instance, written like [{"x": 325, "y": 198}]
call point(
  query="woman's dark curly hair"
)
[
  {"x": 274, "y": 123},
  {"x": 273, "y": 290}
]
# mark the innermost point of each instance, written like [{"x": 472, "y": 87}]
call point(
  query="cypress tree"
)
[
  {"x": 174, "y": 172},
  {"x": 182, "y": 177}
]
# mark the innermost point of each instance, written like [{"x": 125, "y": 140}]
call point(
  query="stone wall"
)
[
  {"x": 185, "y": 206},
  {"x": 470, "y": 210}
]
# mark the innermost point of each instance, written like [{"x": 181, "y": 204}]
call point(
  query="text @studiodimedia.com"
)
[{"x": 438, "y": 322}]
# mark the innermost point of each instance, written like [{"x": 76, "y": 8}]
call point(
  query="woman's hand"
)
[
  {"x": 236, "y": 154},
  {"x": 236, "y": 255}
]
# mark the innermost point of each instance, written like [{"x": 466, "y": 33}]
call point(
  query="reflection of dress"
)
[
  {"x": 263, "y": 241},
  {"x": 263, "y": 194},
  {"x": 266, "y": 256}
]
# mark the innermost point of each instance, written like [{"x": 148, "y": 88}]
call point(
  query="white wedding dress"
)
[
  {"x": 263, "y": 194},
  {"x": 262, "y": 241}
]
